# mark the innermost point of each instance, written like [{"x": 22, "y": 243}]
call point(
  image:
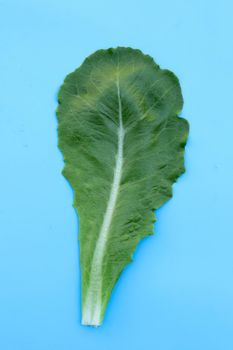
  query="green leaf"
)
[{"x": 123, "y": 147}]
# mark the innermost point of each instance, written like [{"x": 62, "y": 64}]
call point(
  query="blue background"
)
[{"x": 178, "y": 293}]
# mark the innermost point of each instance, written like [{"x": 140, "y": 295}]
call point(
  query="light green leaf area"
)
[{"x": 123, "y": 147}]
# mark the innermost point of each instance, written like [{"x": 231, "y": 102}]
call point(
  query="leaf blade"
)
[{"x": 123, "y": 146}]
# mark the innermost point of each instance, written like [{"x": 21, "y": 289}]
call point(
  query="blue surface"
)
[{"x": 178, "y": 293}]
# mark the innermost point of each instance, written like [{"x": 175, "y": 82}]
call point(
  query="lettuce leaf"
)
[{"x": 123, "y": 147}]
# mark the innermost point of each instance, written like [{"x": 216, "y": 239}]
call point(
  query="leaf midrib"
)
[{"x": 92, "y": 307}]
